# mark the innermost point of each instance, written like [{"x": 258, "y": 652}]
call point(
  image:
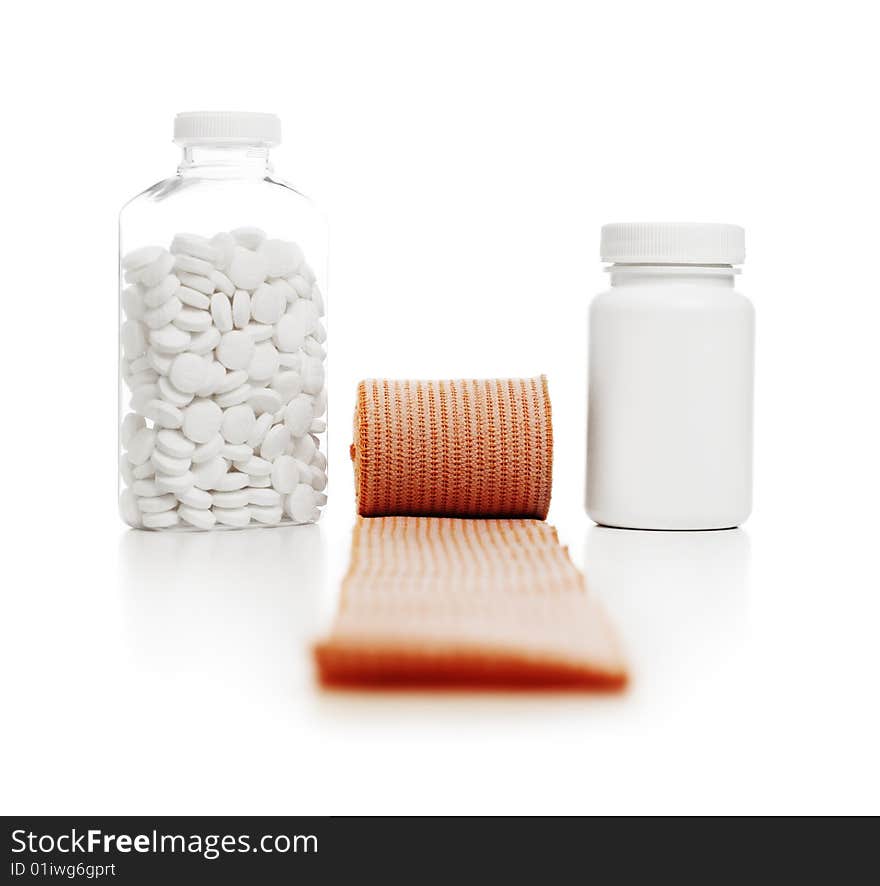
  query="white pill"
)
[
  {"x": 233, "y": 398},
  {"x": 224, "y": 244},
  {"x": 290, "y": 334},
  {"x": 208, "y": 450},
  {"x": 192, "y": 244},
  {"x": 173, "y": 443},
  {"x": 267, "y": 304},
  {"x": 141, "y": 472},
  {"x": 275, "y": 443},
  {"x": 142, "y": 395},
  {"x": 158, "y": 361},
  {"x": 202, "y": 420},
  {"x": 238, "y": 498},
  {"x": 313, "y": 349},
  {"x": 176, "y": 483},
  {"x": 321, "y": 402},
  {"x": 241, "y": 309},
  {"x": 170, "y": 340},
  {"x": 264, "y": 362},
  {"x": 200, "y": 519},
  {"x": 195, "y": 281},
  {"x": 195, "y": 498},
  {"x": 236, "y": 451},
  {"x": 231, "y": 481},
  {"x": 284, "y": 289},
  {"x": 292, "y": 361},
  {"x": 237, "y": 517},
  {"x": 319, "y": 334},
  {"x": 269, "y": 516},
  {"x": 172, "y": 395},
  {"x": 304, "y": 448},
  {"x": 222, "y": 282},
  {"x": 208, "y": 474},
  {"x": 138, "y": 379},
  {"x": 250, "y": 238},
  {"x": 318, "y": 426},
  {"x": 128, "y": 509},
  {"x": 285, "y": 473},
  {"x": 281, "y": 257},
  {"x": 158, "y": 295},
  {"x": 134, "y": 339},
  {"x": 247, "y": 270},
  {"x": 193, "y": 298},
  {"x": 300, "y": 504},
  {"x": 133, "y": 302},
  {"x": 193, "y": 265},
  {"x": 165, "y": 520},
  {"x": 140, "y": 258},
  {"x": 307, "y": 273},
  {"x": 164, "y": 414},
  {"x": 146, "y": 488},
  {"x": 131, "y": 424},
  {"x": 319, "y": 460},
  {"x": 140, "y": 364},
  {"x": 163, "y": 315},
  {"x": 255, "y": 466},
  {"x": 156, "y": 504},
  {"x": 300, "y": 285},
  {"x": 320, "y": 499},
  {"x": 156, "y": 271},
  {"x": 267, "y": 498},
  {"x": 231, "y": 381},
  {"x": 238, "y": 422},
  {"x": 260, "y": 429},
  {"x": 319, "y": 480},
  {"x": 312, "y": 375},
  {"x": 235, "y": 350},
  {"x": 265, "y": 400},
  {"x": 259, "y": 482},
  {"x": 213, "y": 377},
  {"x": 203, "y": 343},
  {"x": 221, "y": 311},
  {"x": 288, "y": 384},
  {"x": 298, "y": 415},
  {"x": 193, "y": 320},
  {"x": 188, "y": 372},
  {"x": 168, "y": 464},
  {"x": 306, "y": 313},
  {"x": 125, "y": 470},
  {"x": 259, "y": 331}
]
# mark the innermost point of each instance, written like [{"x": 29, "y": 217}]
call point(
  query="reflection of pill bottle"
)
[
  {"x": 223, "y": 343},
  {"x": 671, "y": 357}
]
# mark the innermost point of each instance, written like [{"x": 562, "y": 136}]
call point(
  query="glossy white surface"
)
[{"x": 466, "y": 158}]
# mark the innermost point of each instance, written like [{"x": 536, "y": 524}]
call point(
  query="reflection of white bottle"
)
[{"x": 671, "y": 376}]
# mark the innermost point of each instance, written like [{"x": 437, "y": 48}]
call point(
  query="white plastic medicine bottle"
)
[{"x": 671, "y": 356}]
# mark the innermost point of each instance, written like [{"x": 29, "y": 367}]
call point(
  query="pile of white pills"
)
[{"x": 223, "y": 354}]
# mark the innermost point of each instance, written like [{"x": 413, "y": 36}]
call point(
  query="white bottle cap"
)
[
  {"x": 226, "y": 127},
  {"x": 674, "y": 243}
]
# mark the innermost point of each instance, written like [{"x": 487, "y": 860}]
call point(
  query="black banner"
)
[{"x": 239, "y": 849}]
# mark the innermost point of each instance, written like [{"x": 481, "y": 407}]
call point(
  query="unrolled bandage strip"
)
[{"x": 454, "y": 577}]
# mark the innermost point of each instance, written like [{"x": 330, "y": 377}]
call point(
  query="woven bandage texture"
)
[
  {"x": 465, "y": 448},
  {"x": 454, "y": 579},
  {"x": 434, "y": 600}
]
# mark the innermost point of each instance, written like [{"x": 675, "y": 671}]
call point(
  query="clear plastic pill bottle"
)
[
  {"x": 671, "y": 355},
  {"x": 222, "y": 338}
]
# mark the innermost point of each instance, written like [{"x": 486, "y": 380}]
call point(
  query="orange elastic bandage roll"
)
[{"x": 454, "y": 577}]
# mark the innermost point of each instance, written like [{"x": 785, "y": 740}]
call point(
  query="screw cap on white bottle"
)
[
  {"x": 674, "y": 243},
  {"x": 226, "y": 127}
]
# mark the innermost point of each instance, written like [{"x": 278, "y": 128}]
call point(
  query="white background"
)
[{"x": 466, "y": 155}]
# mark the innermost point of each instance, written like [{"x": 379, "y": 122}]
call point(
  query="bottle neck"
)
[
  {"x": 225, "y": 161},
  {"x": 719, "y": 276}
]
